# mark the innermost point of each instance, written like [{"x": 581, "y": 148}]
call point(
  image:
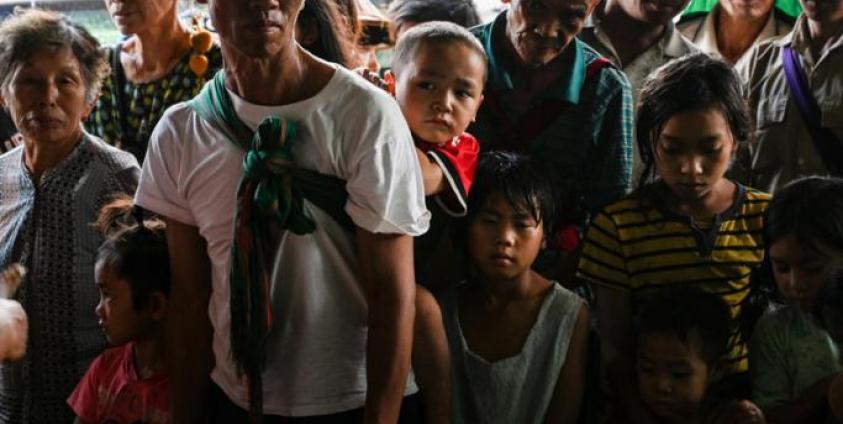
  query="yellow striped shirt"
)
[{"x": 637, "y": 245}]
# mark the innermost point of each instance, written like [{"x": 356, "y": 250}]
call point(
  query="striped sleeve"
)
[{"x": 602, "y": 259}]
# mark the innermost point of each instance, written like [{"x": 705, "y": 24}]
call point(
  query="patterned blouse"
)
[
  {"x": 145, "y": 103},
  {"x": 46, "y": 226}
]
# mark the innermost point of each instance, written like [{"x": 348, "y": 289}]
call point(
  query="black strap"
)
[{"x": 119, "y": 77}]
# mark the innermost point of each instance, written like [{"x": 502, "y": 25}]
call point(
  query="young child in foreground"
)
[
  {"x": 681, "y": 336},
  {"x": 687, "y": 224},
  {"x": 437, "y": 78},
  {"x": 517, "y": 340},
  {"x": 126, "y": 383},
  {"x": 438, "y": 74},
  {"x": 793, "y": 358}
]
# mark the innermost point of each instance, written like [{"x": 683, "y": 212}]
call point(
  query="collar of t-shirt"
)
[
  {"x": 670, "y": 44},
  {"x": 800, "y": 38},
  {"x": 707, "y": 38},
  {"x": 253, "y": 114}
]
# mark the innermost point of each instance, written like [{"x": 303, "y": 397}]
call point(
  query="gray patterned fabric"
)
[{"x": 46, "y": 226}]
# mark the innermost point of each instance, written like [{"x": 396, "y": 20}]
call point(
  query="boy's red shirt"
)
[{"x": 458, "y": 160}]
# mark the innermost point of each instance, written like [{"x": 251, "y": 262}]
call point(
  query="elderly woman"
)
[
  {"x": 161, "y": 63},
  {"x": 51, "y": 187}
]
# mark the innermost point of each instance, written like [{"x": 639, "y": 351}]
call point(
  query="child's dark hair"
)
[
  {"x": 691, "y": 83},
  {"x": 432, "y": 33},
  {"x": 522, "y": 183},
  {"x": 460, "y": 12},
  {"x": 688, "y": 312},
  {"x": 134, "y": 249},
  {"x": 811, "y": 210}
]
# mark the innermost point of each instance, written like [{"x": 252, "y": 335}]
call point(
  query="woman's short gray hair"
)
[{"x": 33, "y": 30}]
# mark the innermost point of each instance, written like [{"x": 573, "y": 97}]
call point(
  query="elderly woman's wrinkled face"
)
[
  {"x": 256, "y": 28},
  {"x": 133, "y": 16},
  {"x": 540, "y": 30},
  {"x": 46, "y": 97}
]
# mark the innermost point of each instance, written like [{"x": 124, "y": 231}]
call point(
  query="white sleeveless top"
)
[{"x": 517, "y": 389}]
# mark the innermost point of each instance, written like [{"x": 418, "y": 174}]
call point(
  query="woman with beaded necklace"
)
[{"x": 160, "y": 63}]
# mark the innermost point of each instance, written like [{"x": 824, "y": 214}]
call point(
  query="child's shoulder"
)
[
  {"x": 755, "y": 201},
  {"x": 111, "y": 360},
  {"x": 756, "y": 195},
  {"x": 632, "y": 202},
  {"x": 564, "y": 298}
]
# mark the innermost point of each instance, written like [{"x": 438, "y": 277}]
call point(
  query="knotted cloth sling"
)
[{"x": 272, "y": 188}]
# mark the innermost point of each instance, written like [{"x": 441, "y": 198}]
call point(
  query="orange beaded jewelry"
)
[{"x": 200, "y": 41}]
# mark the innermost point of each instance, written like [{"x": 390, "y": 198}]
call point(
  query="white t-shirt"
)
[{"x": 317, "y": 347}]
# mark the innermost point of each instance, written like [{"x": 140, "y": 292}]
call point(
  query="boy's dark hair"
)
[
  {"x": 688, "y": 312},
  {"x": 810, "y": 209},
  {"x": 336, "y": 38},
  {"x": 135, "y": 249},
  {"x": 521, "y": 182},
  {"x": 691, "y": 83},
  {"x": 460, "y": 12},
  {"x": 433, "y": 32}
]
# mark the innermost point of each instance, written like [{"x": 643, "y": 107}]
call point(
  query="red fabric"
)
[
  {"x": 110, "y": 392},
  {"x": 567, "y": 239},
  {"x": 462, "y": 156}
]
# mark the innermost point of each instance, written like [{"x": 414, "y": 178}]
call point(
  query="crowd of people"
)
[{"x": 580, "y": 211}]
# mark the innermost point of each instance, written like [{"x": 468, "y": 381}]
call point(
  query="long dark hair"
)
[
  {"x": 335, "y": 40},
  {"x": 690, "y": 83}
]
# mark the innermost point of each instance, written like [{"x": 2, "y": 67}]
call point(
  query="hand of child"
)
[
  {"x": 14, "y": 325},
  {"x": 737, "y": 412},
  {"x": 387, "y": 83}
]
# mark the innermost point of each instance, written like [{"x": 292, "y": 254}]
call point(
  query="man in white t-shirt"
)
[{"x": 342, "y": 300}]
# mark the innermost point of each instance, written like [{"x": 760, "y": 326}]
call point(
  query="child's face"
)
[
  {"x": 800, "y": 271},
  {"x": 693, "y": 152},
  {"x": 118, "y": 318},
  {"x": 672, "y": 378},
  {"x": 503, "y": 242},
  {"x": 441, "y": 90}
]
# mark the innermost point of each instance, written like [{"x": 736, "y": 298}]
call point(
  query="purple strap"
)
[{"x": 825, "y": 142}]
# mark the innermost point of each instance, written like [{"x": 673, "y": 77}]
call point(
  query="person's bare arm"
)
[
  {"x": 386, "y": 270},
  {"x": 432, "y": 176},
  {"x": 568, "y": 393},
  {"x": 188, "y": 328},
  {"x": 811, "y": 406}
]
